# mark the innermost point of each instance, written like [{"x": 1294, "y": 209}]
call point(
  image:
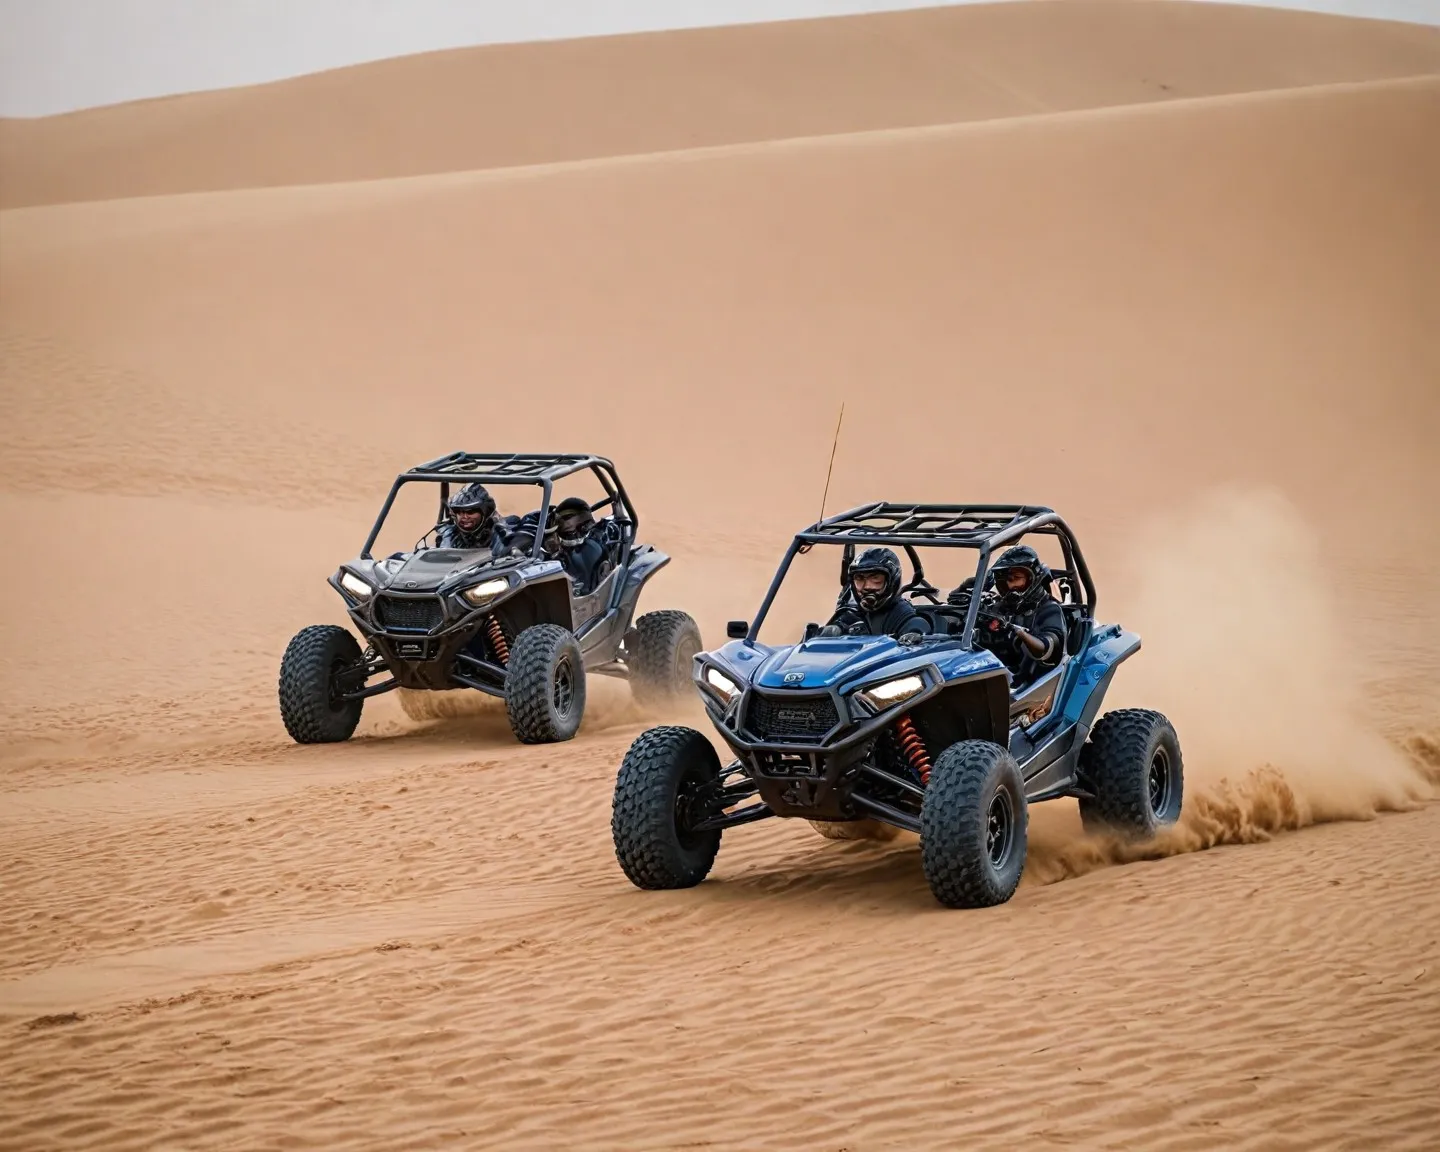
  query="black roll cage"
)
[
  {"x": 984, "y": 527},
  {"x": 516, "y": 468}
]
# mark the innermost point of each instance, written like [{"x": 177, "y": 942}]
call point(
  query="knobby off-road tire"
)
[
  {"x": 665, "y": 644},
  {"x": 855, "y": 829},
  {"x": 660, "y": 774},
  {"x": 308, "y": 706},
  {"x": 545, "y": 685},
  {"x": 1133, "y": 761},
  {"x": 974, "y": 825}
]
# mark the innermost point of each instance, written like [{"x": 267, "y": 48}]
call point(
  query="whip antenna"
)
[{"x": 835, "y": 444}]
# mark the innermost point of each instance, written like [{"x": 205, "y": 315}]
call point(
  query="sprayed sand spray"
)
[{"x": 1245, "y": 652}]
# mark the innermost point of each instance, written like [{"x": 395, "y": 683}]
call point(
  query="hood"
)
[
  {"x": 426, "y": 571},
  {"x": 831, "y": 660},
  {"x": 839, "y": 661},
  {"x": 824, "y": 661}
]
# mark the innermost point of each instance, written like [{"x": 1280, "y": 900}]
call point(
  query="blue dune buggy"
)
[{"x": 861, "y": 735}]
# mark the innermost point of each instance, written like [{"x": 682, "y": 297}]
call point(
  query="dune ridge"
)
[
  {"x": 1198, "y": 324},
  {"x": 523, "y": 105}
]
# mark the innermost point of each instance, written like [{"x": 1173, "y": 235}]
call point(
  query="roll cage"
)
[
  {"x": 984, "y": 527},
  {"x": 542, "y": 470}
]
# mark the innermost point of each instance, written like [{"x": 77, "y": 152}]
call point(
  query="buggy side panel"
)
[
  {"x": 545, "y": 601},
  {"x": 601, "y": 638},
  {"x": 970, "y": 709},
  {"x": 1049, "y": 752},
  {"x": 598, "y": 629}
]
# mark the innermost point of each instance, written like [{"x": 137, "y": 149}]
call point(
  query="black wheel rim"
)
[
  {"x": 338, "y": 667},
  {"x": 563, "y": 691},
  {"x": 692, "y": 803},
  {"x": 1000, "y": 828},
  {"x": 1159, "y": 782}
]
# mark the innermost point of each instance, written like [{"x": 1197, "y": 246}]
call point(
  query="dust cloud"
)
[{"x": 1245, "y": 650}]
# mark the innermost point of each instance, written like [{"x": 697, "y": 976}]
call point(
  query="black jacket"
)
[
  {"x": 1047, "y": 621},
  {"x": 582, "y": 563},
  {"x": 900, "y": 616}
]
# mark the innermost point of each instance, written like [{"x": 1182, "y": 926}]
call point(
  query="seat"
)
[{"x": 944, "y": 619}]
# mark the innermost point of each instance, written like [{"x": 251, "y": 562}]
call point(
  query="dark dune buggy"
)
[
  {"x": 862, "y": 735},
  {"x": 511, "y": 626}
]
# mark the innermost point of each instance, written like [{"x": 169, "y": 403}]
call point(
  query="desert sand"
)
[{"x": 1171, "y": 269}]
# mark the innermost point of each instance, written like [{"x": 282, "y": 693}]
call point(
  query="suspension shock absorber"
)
[
  {"x": 913, "y": 747},
  {"x": 497, "y": 639}
]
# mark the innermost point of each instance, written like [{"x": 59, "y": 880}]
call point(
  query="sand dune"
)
[
  {"x": 1217, "y": 307},
  {"x": 531, "y": 104}
]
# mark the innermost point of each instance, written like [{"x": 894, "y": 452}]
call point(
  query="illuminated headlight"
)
[
  {"x": 481, "y": 594},
  {"x": 891, "y": 692},
  {"x": 722, "y": 683},
  {"x": 355, "y": 586}
]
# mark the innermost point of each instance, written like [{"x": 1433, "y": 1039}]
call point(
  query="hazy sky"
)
[{"x": 58, "y": 55}]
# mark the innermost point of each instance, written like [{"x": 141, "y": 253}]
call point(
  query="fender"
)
[
  {"x": 1108, "y": 648},
  {"x": 642, "y": 566}
]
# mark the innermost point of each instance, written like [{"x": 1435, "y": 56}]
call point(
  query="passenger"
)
[
  {"x": 581, "y": 550},
  {"x": 1025, "y": 626},
  {"x": 879, "y": 609}
]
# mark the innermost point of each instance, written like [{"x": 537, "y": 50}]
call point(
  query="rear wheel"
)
[
  {"x": 310, "y": 685},
  {"x": 545, "y": 685},
  {"x": 664, "y": 647},
  {"x": 855, "y": 829},
  {"x": 1132, "y": 761},
  {"x": 974, "y": 825},
  {"x": 664, "y": 786}
]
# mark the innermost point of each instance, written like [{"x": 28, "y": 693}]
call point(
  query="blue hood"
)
[
  {"x": 827, "y": 661},
  {"x": 836, "y": 661}
]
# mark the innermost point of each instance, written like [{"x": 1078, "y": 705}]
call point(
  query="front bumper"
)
[
  {"x": 438, "y": 653},
  {"x": 815, "y": 777}
]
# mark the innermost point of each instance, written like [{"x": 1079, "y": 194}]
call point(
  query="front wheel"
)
[
  {"x": 974, "y": 825},
  {"x": 1132, "y": 762},
  {"x": 545, "y": 685},
  {"x": 311, "y": 703},
  {"x": 663, "y": 787}
]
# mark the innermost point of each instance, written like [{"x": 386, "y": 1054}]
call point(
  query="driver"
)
[
  {"x": 472, "y": 519},
  {"x": 1025, "y": 626},
  {"x": 879, "y": 609}
]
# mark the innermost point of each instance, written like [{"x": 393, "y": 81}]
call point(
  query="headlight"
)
[
  {"x": 722, "y": 683},
  {"x": 481, "y": 594},
  {"x": 355, "y": 586},
  {"x": 882, "y": 696}
]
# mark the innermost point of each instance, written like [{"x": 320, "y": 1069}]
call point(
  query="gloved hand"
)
[
  {"x": 908, "y": 639},
  {"x": 829, "y": 630}
]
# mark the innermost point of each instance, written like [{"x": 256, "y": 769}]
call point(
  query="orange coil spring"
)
[
  {"x": 914, "y": 748},
  {"x": 497, "y": 639}
]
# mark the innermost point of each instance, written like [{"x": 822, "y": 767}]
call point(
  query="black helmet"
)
[
  {"x": 1025, "y": 558},
  {"x": 573, "y": 521},
  {"x": 877, "y": 560},
  {"x": 473, "y": 498}
]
